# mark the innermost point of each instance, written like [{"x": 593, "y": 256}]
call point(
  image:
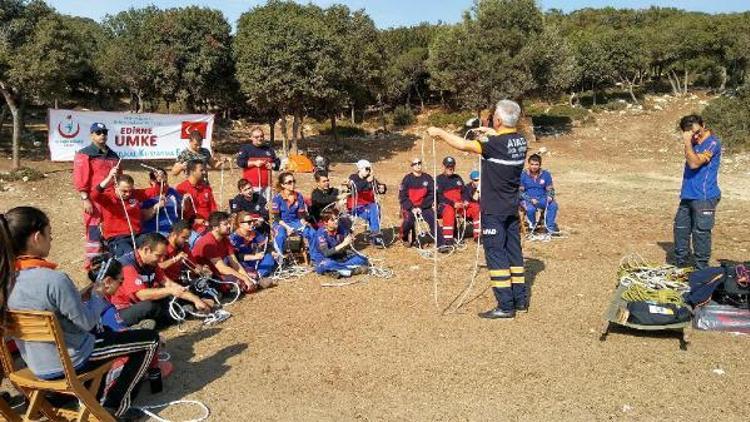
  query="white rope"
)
[
  {"x": 127, "y": 218},
  {"x": 182, "y": 207},
  {"x": 147, "y": 410},
  {"x": 221, "y": 185},
  {"x": 435, "y": 227}
]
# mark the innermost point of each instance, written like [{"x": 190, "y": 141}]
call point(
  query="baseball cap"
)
[
  {"x": 449, "y": 161},
  {"x": 363, "y": 164},
  {"x": 98, "y": 126},
  {"x": 474, "y": 175}
]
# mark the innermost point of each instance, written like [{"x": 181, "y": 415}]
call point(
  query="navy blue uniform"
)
[
  {"x": 324, "y": 255},
  {"x": 259, "y": 177},
  {"x": 503, "y": 157},
  {"x": 416, "y": 192},
  {"x": 257, "y": 206}
]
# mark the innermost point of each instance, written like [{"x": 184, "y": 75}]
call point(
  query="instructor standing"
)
[
  {"x": 503, "y": 152},
  {"x": 699, "y": 194}
]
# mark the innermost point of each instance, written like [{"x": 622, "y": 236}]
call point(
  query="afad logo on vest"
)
[
  {"x": 189, "y": 127},
  {"x": 68, "y": 128}
]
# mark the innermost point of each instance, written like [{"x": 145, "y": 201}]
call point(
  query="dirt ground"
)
[{"x": 382, "y": 350}]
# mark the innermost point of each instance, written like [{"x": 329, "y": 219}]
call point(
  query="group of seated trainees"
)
[{"x": 457, "y": 204}]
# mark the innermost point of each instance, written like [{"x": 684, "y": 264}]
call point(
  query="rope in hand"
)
[{"x": 147, "y": 410}]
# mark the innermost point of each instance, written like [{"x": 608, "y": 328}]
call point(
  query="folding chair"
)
[{"x": 37, "y": 326}]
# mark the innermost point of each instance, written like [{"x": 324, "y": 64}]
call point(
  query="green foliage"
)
[
  {"x": 344, "y": 130},
  {"x": 558, "y": 115},
  {"x": 25, "y": 174},
  {"x": 729, "y": 117},
  {"x": 402, "y": 116},
  {"x": 444, "y": 119}
]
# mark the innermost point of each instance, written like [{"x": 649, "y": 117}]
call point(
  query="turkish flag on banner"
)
[{"x": 188, "y": 127}]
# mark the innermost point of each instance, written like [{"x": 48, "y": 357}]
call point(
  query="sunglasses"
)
[
  {"x": 100, "y": 132},
  {"x": 248, "y": 222},
  {"x": 416, "y": 163},
  {"x": 289, "y": 182}
]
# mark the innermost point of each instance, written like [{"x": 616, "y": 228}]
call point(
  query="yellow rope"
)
[{"x": 639, "y": 293}]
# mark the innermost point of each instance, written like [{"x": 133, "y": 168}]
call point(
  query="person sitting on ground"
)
[
  {"x": 362, "y": 202},
  {"x": 26, "y": 238},
  {"x": 249, "y": 200},
  {"x": 170, "y": 212},
  {"x": 214, "y": 250},
  {"x": 196, "y": 152},
  {"x": 251, "y": 247},
  {"x": 538, "y": 193},
  {"x": 257, "y": 161},
  {"x": 471, "y": 199},
  {"x": 122, "y": 211},
  {"x": 323, "y": 196},
  {"x": 197, "y": 198},
  {"x": 332, "y": 249},
  {"x": 451, "y": 204},
  {"x": 145, "y": 292},
  {"x": 416, "y": 196},
  {"x": 179, "y": 257},
  {"x": 289, "y": 212}
]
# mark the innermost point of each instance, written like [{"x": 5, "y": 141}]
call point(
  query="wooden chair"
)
[
  {"x": 6, "y": 413},
  {"x": 37, "y": 326}
]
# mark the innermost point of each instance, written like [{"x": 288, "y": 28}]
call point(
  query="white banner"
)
[{"x": 146, "y": 136}]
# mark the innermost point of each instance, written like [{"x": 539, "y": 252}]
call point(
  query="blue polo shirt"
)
[{"x": 703, "y": 182}]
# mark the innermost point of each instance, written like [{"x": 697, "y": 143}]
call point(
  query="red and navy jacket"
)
[
  {"x": 91, "y": 165},
  {"x": 449, "y": 189},
  {"x": 114, "y": 222},
  {"x": 362, "y": 190},
  {"x": 468, "y": 193},
  {"x": 416, "y": 191},
  {"x": 257, "y": 176},
  {"x": 203, "y": 201}
]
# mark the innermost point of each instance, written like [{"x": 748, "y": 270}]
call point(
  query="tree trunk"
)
[
  {"x": 3, "y": 115},
  {"x": 722, "y": 88},
  {"x": 421, "y": 99},
  {"x": 333, "y": 127},
  {"x": 295, "y": 132},
  {"x": 675, "y": 81},
  {"x": 354, "y": 122},
  {"x": 382, "y": 113},
  {"x": 593, "y": 92},
  {"x": 573, "y": 101},
  {"x": 272, "y": 129},
  {"x": 685, "y": 84},
  {"x": 285, "y": 143},
  {"x": 630, "y": 88},
  {"x": 302, "y": 127},
  {"x": 15, "y": 111}
]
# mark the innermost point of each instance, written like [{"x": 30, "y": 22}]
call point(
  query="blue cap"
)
[
  {"x": 98, "y": 126},
  {"x": 474, "y": 175}
]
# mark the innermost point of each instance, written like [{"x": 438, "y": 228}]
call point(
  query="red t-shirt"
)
[
  {"x": 114, "y": 222},
  {"x": 208, "y": 248},
  {"x": 136, "y": 277},
  {"x": 203, "y": 202},
  {"x": 173, "y": 271}
]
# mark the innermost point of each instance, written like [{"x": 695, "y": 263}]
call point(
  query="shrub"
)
[
  {"x": 443, "y": 119},
  {"x": 558, "y": 115},
  {"x": 345, "y": 130},
  {"x": 730, "y": 118},
  {"x": 402, "y": 116}
]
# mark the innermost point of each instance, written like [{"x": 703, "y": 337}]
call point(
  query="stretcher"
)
[{"x": 617, "y": 314}]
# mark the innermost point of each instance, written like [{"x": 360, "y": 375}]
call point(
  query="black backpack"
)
[{"x": 733, "y": 290}]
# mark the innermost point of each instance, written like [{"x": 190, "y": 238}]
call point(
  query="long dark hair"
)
[
  {"x": 16, "y": 226},
  {"x": 103, "y": 266}
]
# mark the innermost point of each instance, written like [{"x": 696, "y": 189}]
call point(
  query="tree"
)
[
  {"x": 35, "y": 50},
  {"x": 125, "y": 60},
  {"x": 552, "y": 62},
  {"x": 486, "y": 57}
]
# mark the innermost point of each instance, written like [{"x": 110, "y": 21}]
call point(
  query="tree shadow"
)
[
  {"x": 551, "y": 125},
  {"x": 189, "y": 377}
]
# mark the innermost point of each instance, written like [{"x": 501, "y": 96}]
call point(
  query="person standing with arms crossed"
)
[{"x": 503, "y": 152}]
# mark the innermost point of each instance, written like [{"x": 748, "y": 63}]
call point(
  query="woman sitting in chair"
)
[
  {"x": 30, "y": 283},
  {"x": 288, "y": 211}
]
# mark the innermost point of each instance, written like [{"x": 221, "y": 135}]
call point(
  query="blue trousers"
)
[
  {"x": 264, "y": 267},
  {"x": 408, "y": 225},
  {"x": 329, "y": 265},
  {"x": 369, "y": 213},
  {"x": 120, "y": 245},
  {"x": 550, "y": 215},
  {"x": 694, "y": 219},
  {"x": 501, "y": 239},
  {"x": 279, "y": 241}
]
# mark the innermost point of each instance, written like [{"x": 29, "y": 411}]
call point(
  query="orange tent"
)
[{"x": 300, "y": 164}]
